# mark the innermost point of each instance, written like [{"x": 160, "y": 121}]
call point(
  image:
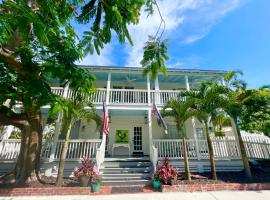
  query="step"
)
[
  {"x": 126, "y": 164},
  {"x": 145, "y": 159},
  {"x": 127, "y": 182},
  {"x": 126, "y": 176},
  {"x": 127, "y": 170}
]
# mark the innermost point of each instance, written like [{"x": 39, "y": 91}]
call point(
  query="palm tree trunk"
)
[
  {"x": 60, "y": 174},
  {"x": 186, "y": 163},
  {"x": 242, "y": 150},
  {"x": 211, "y": 153}
]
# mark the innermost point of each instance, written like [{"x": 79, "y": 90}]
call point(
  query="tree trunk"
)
[
  {"x": 242, "y": 150},
  {"x": 186, "y": 163},
  {"x": 27, "y": 165},
  {"x": 60, "y": 174},
  {"x": 211, "y": 153}
]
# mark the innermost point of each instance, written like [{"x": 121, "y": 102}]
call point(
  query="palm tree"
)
[
  {"x": 233, "y": 97},
  {"x": 205, "y": 103},
  {"x": 180, "y": 111},
  {"x": 73, "y": 109}
]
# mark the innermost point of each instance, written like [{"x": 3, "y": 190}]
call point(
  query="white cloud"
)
[
  {"x": 186, "y": 21},
  {"x": 104, "y": 59}
]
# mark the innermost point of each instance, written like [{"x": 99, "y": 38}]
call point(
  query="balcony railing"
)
[{"x": 125, "y": 96}]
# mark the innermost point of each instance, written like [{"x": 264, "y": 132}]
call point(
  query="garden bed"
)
[{"x": 199, "y": 182}]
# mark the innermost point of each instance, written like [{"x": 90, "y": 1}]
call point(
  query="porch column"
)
[
  {"x": 157, "y": 94},
  {"x": 193, "y": 122},
  {"x": 49, "y": 167},
  {"x": 150, "y": 130},
  {"x": 148, "y": 91},
  {"x": 108, "y": 88}
]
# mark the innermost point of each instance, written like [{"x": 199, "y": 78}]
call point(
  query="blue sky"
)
[{"x": 204, "y": 34}]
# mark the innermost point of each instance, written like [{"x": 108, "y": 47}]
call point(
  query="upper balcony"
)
[
  {"x": 127, "y": 86},
  {"x": 125, "y": 96}
]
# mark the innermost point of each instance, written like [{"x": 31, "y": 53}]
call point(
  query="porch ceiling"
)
[{"x": 127, "y": 112}]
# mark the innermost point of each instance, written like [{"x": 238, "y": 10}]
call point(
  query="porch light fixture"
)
[{"x": 145, "y": 119}]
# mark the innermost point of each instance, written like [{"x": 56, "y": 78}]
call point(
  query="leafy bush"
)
[
  {"x": 89, "y": 169},
  {"x": 165, "y": 172}
]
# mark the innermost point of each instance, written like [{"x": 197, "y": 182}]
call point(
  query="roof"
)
[{"x": 140, "y": 69}]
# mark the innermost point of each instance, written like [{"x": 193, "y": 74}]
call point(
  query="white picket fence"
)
[
  {"x": 257, "y": 147},
  {"x": 77, "y": 149}
]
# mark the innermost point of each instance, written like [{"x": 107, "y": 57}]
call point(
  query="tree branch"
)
[
  {"x": 7, "y": 58},
  {"x": 11, "y": 118}
]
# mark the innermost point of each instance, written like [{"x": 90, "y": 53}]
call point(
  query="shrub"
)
[
  {"x": 165, "y": 172},
  {"x": 89, "y": 169}
]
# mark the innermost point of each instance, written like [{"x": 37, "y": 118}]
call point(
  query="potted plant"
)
[
  {"x": 156, "y": 181},
  {"x": 85, "y": 172},
  {"x": 164, "y": 173},
  {"x": 95, "y": 181}
]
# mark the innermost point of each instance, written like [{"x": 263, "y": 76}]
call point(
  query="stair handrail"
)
[
  {"x": 100, "y": 153},
  {"x": 154, "y": 156}
]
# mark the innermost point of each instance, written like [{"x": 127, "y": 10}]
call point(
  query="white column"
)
[
  {"x": 58, "y": 124},
  {"x": 193, "y": 121},
  {"x": 108, "y": 88},
  {"x": 148, "y": 90},
  {"x": 187, "y": 83},
  {"x": 157, "y": 94},
  {"x": 150, "y": 130},
  {"x": 223, "y": 81}
]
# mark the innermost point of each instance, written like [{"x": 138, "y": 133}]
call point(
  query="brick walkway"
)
[{"x": 107, "y": 190}]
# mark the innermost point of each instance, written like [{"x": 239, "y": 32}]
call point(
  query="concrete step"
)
[
  {"x": 126, "y": 164},
  {"x": 127, "y": 170},
  {"x": 127, "y": 182},
  {"x": 126, "y": 176}
]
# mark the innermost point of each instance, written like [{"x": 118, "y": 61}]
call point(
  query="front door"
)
[{"x": 137, "y": 140}]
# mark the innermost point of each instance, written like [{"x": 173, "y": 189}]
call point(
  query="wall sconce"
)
[
  {"x": 146, "y": 119},
  {"x": 110, "y": 118},
  {"x": 83, "y": 128}
]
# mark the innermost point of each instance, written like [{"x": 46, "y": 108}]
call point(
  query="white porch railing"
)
[
  {"x": 125, "y": 96},
  {"x": 128, "y": 96},
  {"x": 9, "y": 149},
  {"x": 78, "y": 149},
  {"x": 58, "y": 90},
  {"x": 154, "y": 156},
  {"x": 163, "y": 96},
  {"x": 100, "y": 155},
  {"x": 257, "y": 147}
]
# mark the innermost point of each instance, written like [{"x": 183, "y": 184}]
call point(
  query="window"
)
[
  {"x": 200, "y": 134},
  {"x": 172, "y": 132}
]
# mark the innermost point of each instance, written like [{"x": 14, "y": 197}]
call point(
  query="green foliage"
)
[
  {"x": 106, "y": 16},
  {"x": 255, "y": 116},
  {"x": 180, "y": 111},
  {"x": 75, "y": 109},
  {"x": 154, "y": 57}
]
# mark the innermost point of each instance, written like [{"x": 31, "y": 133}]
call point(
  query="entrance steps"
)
[{"x": 126, "y": 171}]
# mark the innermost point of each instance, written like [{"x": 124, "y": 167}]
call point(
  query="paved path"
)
[{"x": 223, "y": 195}]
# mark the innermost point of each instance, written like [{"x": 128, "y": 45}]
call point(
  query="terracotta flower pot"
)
[{"x": 84, "y": 181}]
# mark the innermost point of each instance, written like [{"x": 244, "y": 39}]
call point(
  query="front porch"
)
[{"x": 226, "y": 151}]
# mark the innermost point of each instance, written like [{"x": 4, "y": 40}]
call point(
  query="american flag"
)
[
  {"x": 105, "y": 127},
  {"x": 161, "y": 121}
]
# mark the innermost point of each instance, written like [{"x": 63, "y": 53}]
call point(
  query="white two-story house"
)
[{"x": 134, "y": 131}]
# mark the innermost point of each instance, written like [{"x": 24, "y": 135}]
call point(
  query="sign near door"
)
[{"x": 121, "y": 136}]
